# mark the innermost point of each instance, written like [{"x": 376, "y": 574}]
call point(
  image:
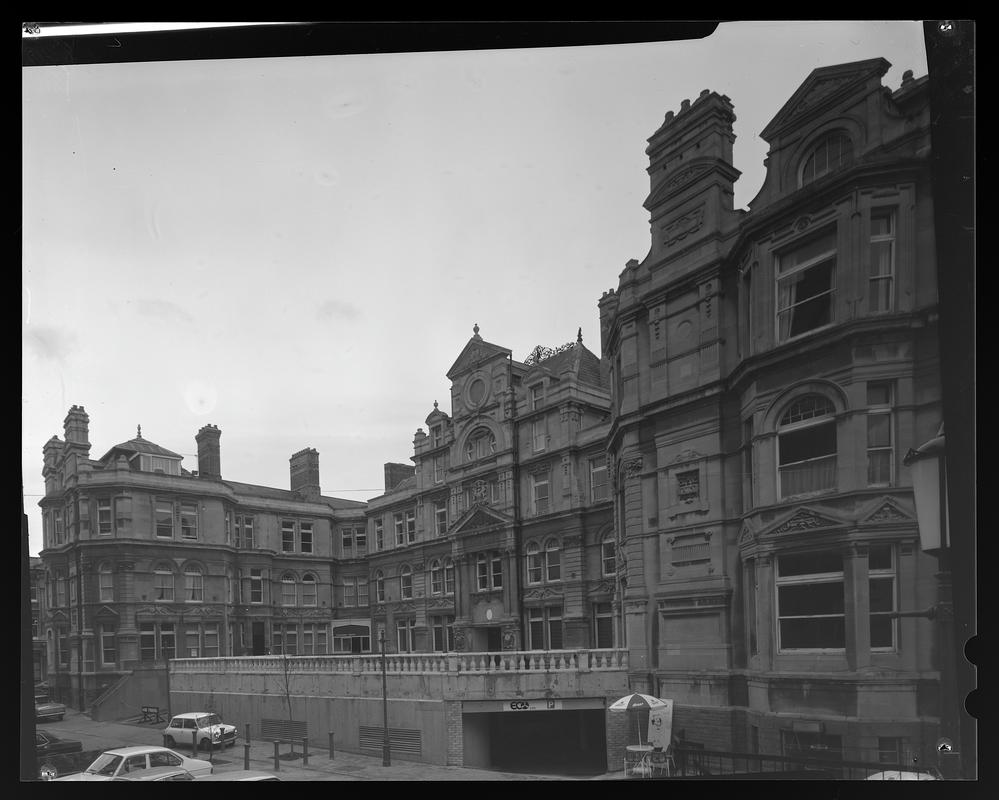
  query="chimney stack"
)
[
  {"x": 77, "y": 429},
  {"x": 396, "y": 474},
  {"x": 305, "y": 473},
  {"x": 209, "y": 453}
]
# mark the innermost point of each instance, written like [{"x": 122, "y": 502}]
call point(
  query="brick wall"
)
[
  {"x": 455, "y": 744},
  {"x": 712, "y": 727}
]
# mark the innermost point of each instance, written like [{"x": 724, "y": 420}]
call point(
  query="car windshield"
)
[
  {"x": 104, "y": 764},
  {"x": 211, "y": 719}
]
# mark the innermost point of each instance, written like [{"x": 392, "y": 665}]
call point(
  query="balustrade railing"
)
[{"x": 416, "y": 663}]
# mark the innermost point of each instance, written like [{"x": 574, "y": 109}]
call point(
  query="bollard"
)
[
  {"x": 277, "y": 761},
  {"x": 248, "y": 733},
  {"x": 194, "y": 744},
  {"x": 246, "y": 756},
  {"x": 331, "y": 745},
  {"x": 305, "y": 752}
]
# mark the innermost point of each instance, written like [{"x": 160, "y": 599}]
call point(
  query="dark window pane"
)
[
  {"x": 816, "y": 563},
  {"x": 811, "y": 598},
  {"x": 881, "y": 631},
  {"x": 798, "y": 634},
  {"x": 879, "y": 557},
  {"x": 813, "y": 442},
  {"x": 881, "y": 594}
]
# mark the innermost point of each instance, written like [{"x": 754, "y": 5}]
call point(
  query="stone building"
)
[{"x": 769, "y": 368}]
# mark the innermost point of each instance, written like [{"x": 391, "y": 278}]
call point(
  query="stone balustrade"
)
[{"x": 507, "y": 661}]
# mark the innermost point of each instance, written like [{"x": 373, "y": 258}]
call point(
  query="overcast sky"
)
[{"x": 296, "y": 249}]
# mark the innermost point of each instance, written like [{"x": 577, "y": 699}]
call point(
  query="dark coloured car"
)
[{"x": 47, "y": 744}]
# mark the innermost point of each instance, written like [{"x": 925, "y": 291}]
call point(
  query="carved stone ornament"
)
[
  {"x": 509, "y": 640},
  {"x": 459, "y": 640},
  {"x": 802, "y": 521},
  {"x": 684, "y": 226},
  {"x": 887, "y": 513},
  {"x": 633, "y": 467},
  {"x": 746, "y": 535},
  {"x": 687, "y": 455},
  {"x": 684, "y": 176}
]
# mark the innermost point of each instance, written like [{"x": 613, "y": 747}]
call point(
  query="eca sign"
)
[{"x": 532, "y": 705}]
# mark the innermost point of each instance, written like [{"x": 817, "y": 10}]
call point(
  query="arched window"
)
[
  {"x": 163, "y": 582},
  {"x": 448, "y": 576},
  {"x": 310, "y": 594},
  {"x": 553, "y": 561},
  {"x": 406, "y": 582},
  {"x": 535, "y": 569},
  {"x": 806, "y": 444},
  {"x": 481, "y": 443},
  {"x": 436, "y": 578},
  {"x": 289, "y": 591},
  {"x": 379, "y": 581},
  {"x": 194, "y": 581},
  {"x": 105, "y": 577},
  {"x": 828, "y": 155}
]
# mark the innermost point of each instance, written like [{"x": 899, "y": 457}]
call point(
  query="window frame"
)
[
  {"x": 194, "y": 584},
  {"x": 876, "y": 240},
  {"x": 876, "y": 411},
  {"x": 539, "y": 479},
  {"x": 105, "y": 582},
  {"x": 309, "y": 580},
  {"x": 883, "y": 574},
  {"x": 405, "y": 582},
  {"x": 837, "y": 136},
  {"x": 794, "y": 275},
  {"x": 809, "y": 579},
  {"x": 288, "y": 580},
  {"x": 599, "y": 465},
  {"x": 787, "y": 429},
  {"x": 161, "y": 587}
]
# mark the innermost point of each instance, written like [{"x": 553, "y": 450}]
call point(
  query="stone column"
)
[{"x": 856, "y": 592}]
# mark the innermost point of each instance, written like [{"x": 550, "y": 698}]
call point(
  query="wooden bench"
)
[
  {"x": 151, "y": 714},
  {"x": 283, "y": 730}
]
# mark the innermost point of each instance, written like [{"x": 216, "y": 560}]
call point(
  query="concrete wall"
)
[{"x": 146, "y": 686}]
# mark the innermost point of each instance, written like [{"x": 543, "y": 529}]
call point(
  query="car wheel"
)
[{"x": 170, "y": 742}]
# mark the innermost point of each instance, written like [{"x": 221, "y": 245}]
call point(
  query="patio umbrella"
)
[{"x": 637, "y": 702}]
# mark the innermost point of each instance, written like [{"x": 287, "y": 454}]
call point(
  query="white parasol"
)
[{"x": 637, "y": 702}]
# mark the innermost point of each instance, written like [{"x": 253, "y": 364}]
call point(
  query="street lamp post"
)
[
  {"x": 386, "y": 747},
  {"x": 929, "y": 488}
]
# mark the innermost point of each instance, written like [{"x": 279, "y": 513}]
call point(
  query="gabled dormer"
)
[{"x": 480, "y": 379}]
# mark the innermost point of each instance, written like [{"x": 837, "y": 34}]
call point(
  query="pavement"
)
[{"x": 344, "y": 766}]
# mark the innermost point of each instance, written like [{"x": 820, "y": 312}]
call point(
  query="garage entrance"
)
[{"x": 561, "y": 742}]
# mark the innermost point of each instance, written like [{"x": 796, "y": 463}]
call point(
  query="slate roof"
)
[
  {"x": 140, "y": 445},
  {"x": 576, "y": 359},
  {"x": 270, "y": 493}
]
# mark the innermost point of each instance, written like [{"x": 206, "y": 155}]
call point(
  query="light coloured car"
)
[
  {"x": 208, "y": 726},
  {"x": 46, "y": 710},
  {"x": 158, "y": 774},
  {"x": 241, "y": 775},
  {"x": 129, "y": 761},
  {"x": 902, "y": 775}
]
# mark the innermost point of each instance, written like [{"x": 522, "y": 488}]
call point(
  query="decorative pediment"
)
[
  {"x": 823, "y": 87},
  {"x": 476, "y": 352},
  {"x": 58, "y": 616},
  {"x": 801, "y": 520},
  {"x": 479, "y": 517},
  {"x": 746, "y": 535},
  {"x": 106, "y": 611},
  {"x": 887, "y": 511},
  {"x": 541, "y": 593}
]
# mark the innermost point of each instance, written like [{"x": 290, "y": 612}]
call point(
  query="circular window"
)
[{"x": 477, "y": 391}]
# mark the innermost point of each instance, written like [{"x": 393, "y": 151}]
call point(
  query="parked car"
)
[
  {"x": 46, "y": 744},
  {"x": 902, "y": 775},
  {"x": 210, "y": 729},
  {"x": 241, "y": 775},
  {"x": 127, "y": 761},
  {"x": 46, "y": 710},
  {"x": 158, "y": 774}
]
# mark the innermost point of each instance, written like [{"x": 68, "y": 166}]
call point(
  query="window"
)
[
  {"x": 880, "y": 452},
  {"x": 436, "y": 578},
  {"x": 228, "y": 528},
  {"x": 411, "y": 526},
  {"x": 168, "y": 640},
  {"x": 361, "y": 541},
  {"x": 291, "y": 640},
  {"x": 109, "y": 644},
  {"x": 598, "y": 480},
  {"x": 163, "y": 583},
  {"x": 192, "y": 643},
  {"x": 806, "y": 283},
  {"x": 147, "y": 641},
  {"x": 440, "y": 517},
  {"x": 59, "y": 598},
  {"x": 443, "y": 632},
  {"x": 603, "y": 625},
  {"x": 244, "y": 532},
  {"x": 210, "y": 637},
  {"x": 481, "y": 444},
  {"x": 379, "y": 535},
  {"x": 195, "y": 581},
  {"x": 438, "y": 469},
  {"x": 880, "y": 291},
  {"x": 539, "y": 493},
  {"x": 362, "y": 592},
  {"x": 489, "y": 571},
  {"x": 57, "y": 525},
  {"x": 539, "y": 435},
  {"x": 350, "y": 592},
  {"x": 496, "y": 563},
  {"x": 379, "y": 579},
  {"x": 448, "y": 576},
  {"x": 310, "y": 593},
  {"x": 544, "y": 628},
  {"x": 103, "y": 516},
  {"x": 305, "y": 537},
  {"x": 400, "y": 530},
  {"x": 553, "y": 562},
  {"x": 287, "y": 536},
  {"x": 230, "y": 587},
  {"x": 62, "y": 645},
  {"x": 831, "y": 153},
  {"x": 608, "y": 557},
  {"x": 256, "y": 585},
  {"x": 747, "y": 462},
  {"x": 890, "y": 750},
  {"x": 347, "y": 542},
  {"x": 537, "y": 396},
  {"x": 289, "y": 592},
  {"x": 189, "y": 520},
  {"x": 807, "y": 445},
  {"x": 436, "y": 436},
  {"x": 406, "y": 582},
  {"x": 406, "y": 630},
  {"x": 482, "y": 572},
  {"x": 810, "y": 605},
  {"x": 535, "y": 567},
  {"x": 163, "y": 512},
  {"x": 105, "y": 579},
  {"x": 168, "y": 466},
  {"x": 881, "y": 577}
]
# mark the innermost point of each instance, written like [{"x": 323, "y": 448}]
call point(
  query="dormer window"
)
[
  {"x": 168, "y": 466},
  {"x": 436, "y": 436},
  {"x": 830, "y": 154}
]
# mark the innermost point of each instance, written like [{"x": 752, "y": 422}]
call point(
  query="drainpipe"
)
[
  {"x": 517, "y": 532},
  {"x": 79, "y": 625}
]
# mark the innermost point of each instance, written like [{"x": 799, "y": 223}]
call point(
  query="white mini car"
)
[
  {"x": 208, "y": 726},
  {"x": 129, "y": 762}
]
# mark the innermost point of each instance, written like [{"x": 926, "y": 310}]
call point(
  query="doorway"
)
[{"x": 259, "y": 647}]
